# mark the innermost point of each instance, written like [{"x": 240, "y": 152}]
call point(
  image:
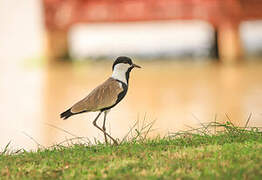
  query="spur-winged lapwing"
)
[{"x": 106, "y": 95}]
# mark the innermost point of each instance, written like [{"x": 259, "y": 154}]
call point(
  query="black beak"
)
[{"x": 136, "y": 66}]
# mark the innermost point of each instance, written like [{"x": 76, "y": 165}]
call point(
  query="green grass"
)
[{"x": 231, "y": 153}]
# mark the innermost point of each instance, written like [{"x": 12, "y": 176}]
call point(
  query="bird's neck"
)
[{"x": 122, "y": 76}]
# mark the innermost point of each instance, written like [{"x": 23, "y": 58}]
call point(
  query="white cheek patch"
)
[
  {"x": 121, "y": 67},
  {"x": 119, "y": 72}
]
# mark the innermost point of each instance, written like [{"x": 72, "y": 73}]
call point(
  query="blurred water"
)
[{"x": 174, "y": 94}]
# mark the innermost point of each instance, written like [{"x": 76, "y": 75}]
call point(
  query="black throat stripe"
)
[{"x": 128, "y": 74}]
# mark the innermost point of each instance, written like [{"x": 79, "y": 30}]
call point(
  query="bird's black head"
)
[
  {"x": 122, "y": 68},
  {"x": 122, "y": 59}
]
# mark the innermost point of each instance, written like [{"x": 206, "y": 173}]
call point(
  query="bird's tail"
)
[{"x": 66, "y": 114}]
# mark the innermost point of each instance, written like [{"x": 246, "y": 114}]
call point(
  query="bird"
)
[{"x": 105, "y": 96}]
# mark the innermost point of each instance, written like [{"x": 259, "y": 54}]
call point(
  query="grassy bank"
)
[{"x": 233, "y": 153}]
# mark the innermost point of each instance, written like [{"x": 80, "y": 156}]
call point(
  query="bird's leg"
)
[
  {"x": 94, "y": 123},
  {"x": 104, "y": 126}
]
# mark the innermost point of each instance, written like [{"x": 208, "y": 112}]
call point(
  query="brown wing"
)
[{"x": 101, "y": 97}]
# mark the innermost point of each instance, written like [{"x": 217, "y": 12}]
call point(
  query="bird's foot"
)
[{"x": 115, "y": 142}]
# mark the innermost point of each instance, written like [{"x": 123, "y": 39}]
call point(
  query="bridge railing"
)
[{"x": 224, "y": 15}]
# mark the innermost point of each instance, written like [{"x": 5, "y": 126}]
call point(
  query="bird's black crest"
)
[{"x": 122, "y": 59}]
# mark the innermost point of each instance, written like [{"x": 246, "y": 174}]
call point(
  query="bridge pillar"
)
[
  {"x": 229, "y": 42},
  {"x": 57, "y": 45}
]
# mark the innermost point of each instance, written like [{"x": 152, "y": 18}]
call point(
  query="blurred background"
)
[{"x": 201, "y": 60}]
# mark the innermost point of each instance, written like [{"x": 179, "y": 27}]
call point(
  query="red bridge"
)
[{"x": 224, "y": 15}]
